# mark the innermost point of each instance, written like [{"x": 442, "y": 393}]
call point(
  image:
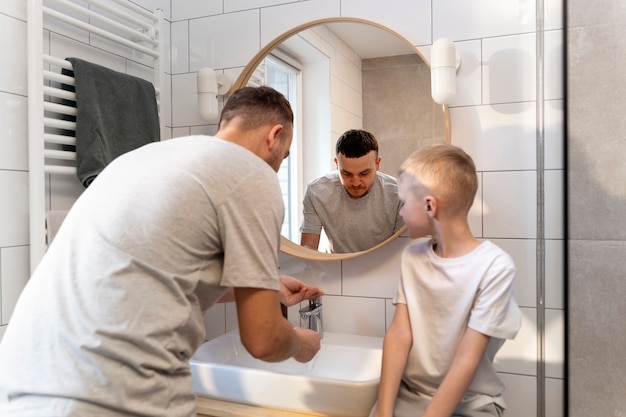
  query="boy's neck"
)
[{"x": 454, "y": 240}]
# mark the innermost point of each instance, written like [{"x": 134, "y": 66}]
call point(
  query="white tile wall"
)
[
  {"x": 354, "y": 315},
  {"x": 554, "y": 274},
  {"x": 15, "y": 8},
  {"x": 520, "y": 395},
  {"x": 553, "y": 69},
  {"x": 524, "y": 254},
  {"x": 13, "y": 76},
  {"x": 555, "y": 343},
  {"x": 554, "y": 204},
  {"x": 555, "y": 404},
  {"x": 14, "y": 271},
  {"x": 554, "y": 135},
  {"x": 510, "y": 204},
  {"x": 509, "y": 69},
  {"x": 13, "y": 208},
  {"x": 413, "y": 22},
  {"x": 519, "y": 356},
  {"x": 473, "y": 19},
  {"x": 207, "y": 40},
  {"x": 13, "y": 132},
  {"x": 498, "y": 137},
  {"x": 190, "y": 9}
]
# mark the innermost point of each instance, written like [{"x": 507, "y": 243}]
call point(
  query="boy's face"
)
[
  {"x": 358, "y": 174},
  {"x": 414, "y": 210}
]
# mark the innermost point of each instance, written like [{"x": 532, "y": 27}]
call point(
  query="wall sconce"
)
[
  {"x": 444, "y": 65},
  {"x": 210, "y": 85}
]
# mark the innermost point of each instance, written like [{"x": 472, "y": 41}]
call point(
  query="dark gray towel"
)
[{"x": 116, "y": 113}]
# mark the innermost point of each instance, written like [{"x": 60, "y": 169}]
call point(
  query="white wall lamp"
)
[
  {"x": 444, "y": 65},
  {"x": 210, "y": 85}
]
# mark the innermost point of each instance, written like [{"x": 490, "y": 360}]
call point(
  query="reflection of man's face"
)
[{"x": 358, "y": 174}]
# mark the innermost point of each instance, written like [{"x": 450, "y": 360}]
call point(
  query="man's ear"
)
[
  {"x": 272, "y": 135},
  {"x": 336, "y": 163},
  {"x": 378, "y": 162}
]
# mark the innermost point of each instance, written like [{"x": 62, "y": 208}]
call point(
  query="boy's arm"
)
[
  {"x": 396, "y": 345},
  {"x": 460, "y": 375}
]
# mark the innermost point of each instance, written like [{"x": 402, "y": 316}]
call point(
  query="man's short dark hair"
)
[
  {"x": 356, "y": 143},
  {"x": 257, "y": 106}
]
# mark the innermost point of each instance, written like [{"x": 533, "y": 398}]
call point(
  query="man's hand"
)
[{"x": 292, "y": 291}]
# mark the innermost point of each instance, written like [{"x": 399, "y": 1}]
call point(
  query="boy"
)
[{"x": 454, "y": 306}]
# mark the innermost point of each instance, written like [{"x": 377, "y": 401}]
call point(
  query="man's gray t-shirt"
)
[
  {"x": 114, "y": 311},
  {"x": 352, "y": 224}
]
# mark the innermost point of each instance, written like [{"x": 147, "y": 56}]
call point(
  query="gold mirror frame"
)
[{"x": 286, "y": 246}]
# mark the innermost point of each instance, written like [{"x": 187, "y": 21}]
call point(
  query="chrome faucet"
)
[{"x": 311, "y": 316}]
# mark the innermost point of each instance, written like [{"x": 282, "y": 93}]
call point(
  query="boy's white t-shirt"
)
[{"x": 444, "y": 296}]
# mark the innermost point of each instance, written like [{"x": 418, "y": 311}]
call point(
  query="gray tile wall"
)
[{"x": 596, "y": 135}]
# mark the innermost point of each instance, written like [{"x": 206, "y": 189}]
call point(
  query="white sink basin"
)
[{"x": 342, "y": 379}]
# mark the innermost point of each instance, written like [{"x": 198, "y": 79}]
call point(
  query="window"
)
[{"x": 284, "y": 77}]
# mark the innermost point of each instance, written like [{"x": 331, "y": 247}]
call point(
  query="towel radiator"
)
[{"x": 116, "y": 28}]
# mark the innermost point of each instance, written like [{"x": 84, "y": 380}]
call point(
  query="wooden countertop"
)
[{"x": 215, "y": 408}]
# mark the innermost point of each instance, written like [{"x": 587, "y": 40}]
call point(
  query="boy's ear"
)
[{"x": 431, "y": 205}]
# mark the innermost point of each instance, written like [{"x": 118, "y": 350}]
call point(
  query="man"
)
[
  {"x": 108, "y": 321},
  {"x": 357, "y": 205}
]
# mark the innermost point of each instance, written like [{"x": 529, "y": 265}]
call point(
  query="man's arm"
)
[
  {"x": 310, "y": 240},
  {"x": 461, "y": 373},
  {"x": 266, "y": 334},
  {"x": 396, "y": 346}
]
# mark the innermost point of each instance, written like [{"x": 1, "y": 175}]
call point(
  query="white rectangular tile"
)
[
  {"x": 472, "y": 19},
  {"x": 519, "y": 356},
  {"x": 555, "y": 274},
  {"x": 555, "y": 401},
  {"x": 555, "y": 343},
  {"x": 499, "y": 137},
  {"x": 524, "y": 254},
  {"x": 354, "y": 315},
  {"x": 180, "y": 47},
  {"x": 14, "y": 8},
  {"x": 475, "y": 216},
  {"x": 509, "y": 69},
  {"x": 13, "y": 47},
  {"x": 554, "y": 204},
  {"x": 14, "y": 271},
  {"x": 375, "y": 274},
  {"x": 223, "y": 41},
  {"x": 2, "y": 329},
  {"x": 185, "y": 101},
  {"x": 13, "y": 208},
  {"x": 510, "y": 204},
  {"x": 554, "y": 70},
  {"x": 520, "y": 395},
  {"x": 554, "y": 135},
  {"x": 280, "y": 19},
  {"x": 13, "y": 132},
  {"x": 390, "y": 311},
  {"x": 238, "y": 5},
  {"x": 411, "y": 19},
  {"x": 192, "y": 9},
  {"x": 553, "y": 14}
]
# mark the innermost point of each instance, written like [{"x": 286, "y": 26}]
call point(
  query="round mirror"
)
[{"x": 341, "y": 74}]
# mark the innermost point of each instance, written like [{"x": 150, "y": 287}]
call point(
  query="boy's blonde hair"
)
[{"x": 446, "y": 172}]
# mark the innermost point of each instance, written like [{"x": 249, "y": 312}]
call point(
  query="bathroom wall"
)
[
  {"x": 504, "y": 116},
  {"x": 596, "y": 150}
]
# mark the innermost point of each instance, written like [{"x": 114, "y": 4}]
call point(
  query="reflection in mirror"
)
[{"x": 342, "y": 74}]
